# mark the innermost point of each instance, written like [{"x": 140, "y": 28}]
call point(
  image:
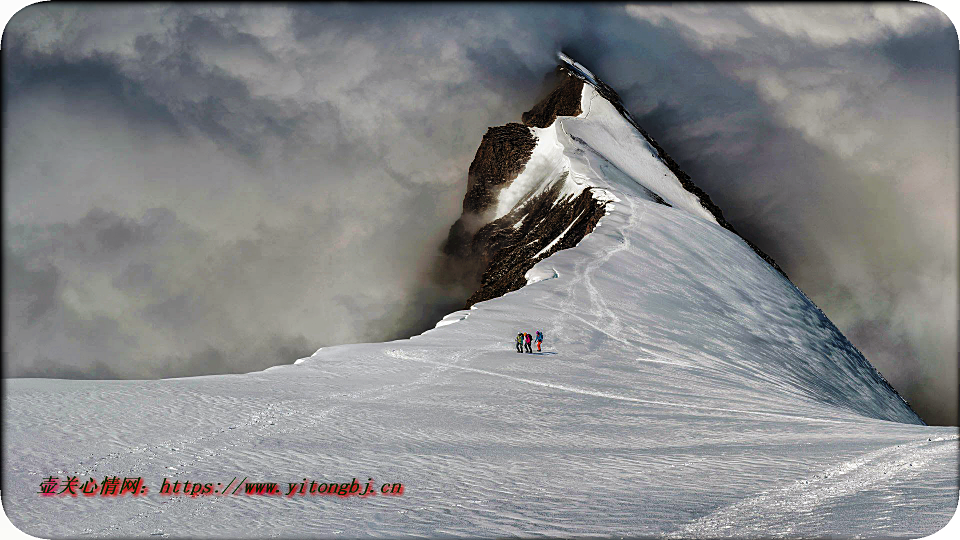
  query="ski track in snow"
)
[
  {"x": 607, "y": 395},
  {"x": 605, "y": 319},
  {"x": 775, "y": 513}
]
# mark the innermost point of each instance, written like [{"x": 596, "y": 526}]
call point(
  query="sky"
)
[{"x": 194, "y": 189}]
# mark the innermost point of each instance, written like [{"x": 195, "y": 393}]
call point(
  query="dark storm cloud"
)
[
  {"x": 92, "y": 80},
  {"x": 934, "y": 50},
  {"x": 194, "y": 189},
  {"x": 31, "y": 293}
]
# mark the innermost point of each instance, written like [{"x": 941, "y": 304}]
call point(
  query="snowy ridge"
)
[
  {"x": 563, "y": 143},
  {"x": 685, "y": 388},
  {"x": 577, "y": 70},
  {"x": 616, "y": 132}
]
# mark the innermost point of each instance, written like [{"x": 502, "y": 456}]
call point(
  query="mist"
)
[{"x": 196, "y": 189}]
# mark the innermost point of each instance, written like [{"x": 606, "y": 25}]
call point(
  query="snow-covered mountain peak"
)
[
  {"x": 579, "y": 71},
  {"x": 699, "y": 388},
  {"x": 579, "y": 132},
  {"x": 576, "y": 67},
  {"x": 579, "y": 158}
]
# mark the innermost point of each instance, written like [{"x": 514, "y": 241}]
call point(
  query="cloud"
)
[{"x": 202, "y": 188}]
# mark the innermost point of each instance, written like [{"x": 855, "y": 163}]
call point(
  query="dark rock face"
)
[
  {"x": 503, "y": 153},
  {"x": 509, "y": 246},
  {"x": 495, "y": 256},
  {"x": 563, "y": 101}
]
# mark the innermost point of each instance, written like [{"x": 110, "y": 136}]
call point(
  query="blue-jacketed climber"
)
[{"x": 539, "y": 339}]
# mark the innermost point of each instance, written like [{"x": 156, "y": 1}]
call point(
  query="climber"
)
[
  {"x": 520, "y": 342},
  {"x": 539, "y": 339},
  {"x": 529, "y": 339}
]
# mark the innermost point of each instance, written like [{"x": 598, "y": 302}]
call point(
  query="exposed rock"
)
[
  {"x": 509, "y": 246},
  {"x": 503, "y": 153},
  {"x": 564, "y": 100},
  {"x": 491, "y": 255}
]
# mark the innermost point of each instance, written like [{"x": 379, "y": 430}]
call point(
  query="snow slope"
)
[{"x": 686, "y": 388}]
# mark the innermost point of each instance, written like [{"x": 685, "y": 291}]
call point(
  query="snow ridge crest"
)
[{"x": 579, "y": 71}]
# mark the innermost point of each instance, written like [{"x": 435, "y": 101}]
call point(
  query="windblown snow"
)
[{"x": 686, "y": 388}]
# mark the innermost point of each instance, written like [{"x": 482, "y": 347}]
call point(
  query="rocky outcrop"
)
[
  {"x": 496, "y": 255},
  {"x": 503, "y": 153},
  {"x": 564, "y": 100},
  {"x": 540, "y": 227}
]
